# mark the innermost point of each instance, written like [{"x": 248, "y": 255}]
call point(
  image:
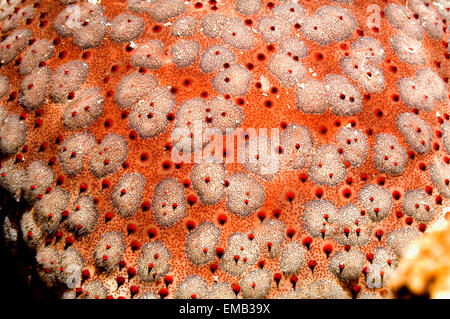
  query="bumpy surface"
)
[{"x": 97, "y": 98}]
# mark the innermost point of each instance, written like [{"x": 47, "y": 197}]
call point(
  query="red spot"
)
[
  {"x": 79, "y": 291},
  {"x": 85, "y": 274},
  {"x": 107, "y": 123},
  {"x": 145, "y": 206},
  {"x": 319, "y": 193},
  {"x": 42, "y": 147},
  {"x": 192, "y": 199},
  {"x": 144, "y": 157},
  {"x": 303, "y": 177},
  {"x": 236, "y": 288},
  {"x": 190, "y": 225},
  {"x": 124, "y": 115},
  {"x": 422, "y": 227},
  {"x": 168, "y": 280},
  {"x": 58, "y": 236},
  {"x": 132, "y": 135},
  {"x": 312, "y": 264},
  {"x": 219, "y": 252},
  {"x": 276, "y": 213},
  {"x": 128, "y": 48},
  {"x": 83, "y": 187},
  {"x": 290, "y": 196},
  {"x": 152, "y": 233},
  {"x": 277, "y": 278},
  {"x": 274, "y": 90},
  {"x": 108, "y": 217},
  {"x": 167, "y": 165},
  {"x": 187, "y": 82},
  {"x": 393, "y": 68},
  {"x": 261, "y": 216},
  {"x": 69, "y": 241},
  {"x": 134, "y": 290},
  {"x": 327, "y": 249},
  {"x": 170, "y": 117},
  {"x": 120, "y": 281},
  {"x": 131, "y": 272},
  {"x": 163, "y": 293},
  {"x": 379, "y": 234},
  {"x": 293, "y": 280},
  {"x": 59, "y": 139},
  {"x": 105, "y": 183},
  {"x": 408, "y": 220},
  {"x": 290, "y": 233},
  {"x": 347, "y": 193},
  {"x": 356, "y": 289},
  {"x": 222, "y": 219},
  {"x": 396, "y": 195},
  {"x": 131, "y": 229},
  {"x": 62, "y": 54},
  {"x": 135, "y": 245},
  {"x": 48, "y": 241},
  {"x": 39, "y": 112},
  {"x": 213, "y": 268},
  {"x": 307, "y": 241}
]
